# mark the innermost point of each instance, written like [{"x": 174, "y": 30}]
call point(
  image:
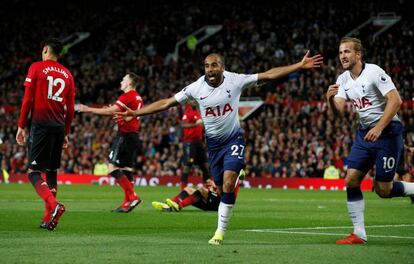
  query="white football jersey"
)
[
  {"x": 218, "y": 106},
  {"x": 367, "y": 93}
]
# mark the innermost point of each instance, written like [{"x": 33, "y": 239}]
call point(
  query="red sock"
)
[
  {"x": 192, "y": 199},
  {"x": 176, "y": 199},
  {"x": 183, "y": 184},
  {"x": 53, "y": 190},
  {"x": 43, "y": 191},
  {"x": 127, "y": 187},
  {"x": 48, "y": 209},
  {"x": 236, "y": 189}
]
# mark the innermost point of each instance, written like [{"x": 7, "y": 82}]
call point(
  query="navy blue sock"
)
[
  {"x": 397, "y": 189},
  {"x": 228, "y": 198},
  {"x": 354, "y": 194}
]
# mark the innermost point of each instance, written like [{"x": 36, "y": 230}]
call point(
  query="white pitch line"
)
[
  {"x": 323, "y": 234},
  {"x": 328, "y": 227},
  {"x": 291, "y": 230}
]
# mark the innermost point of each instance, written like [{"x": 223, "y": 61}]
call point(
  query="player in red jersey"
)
[
  {"x": 206, "y": 197},
  {"x": 194, "y": 149},
  {"x": 50, "y": 98},
  {"x": 126, "y": 144}
]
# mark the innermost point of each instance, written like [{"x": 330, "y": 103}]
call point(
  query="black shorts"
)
[
  {"x": 212, "y": 203},
  {"x": 45, "y": 147},
  {"x": 124, "y": 150},
  {"x": 194, "y": 153}
]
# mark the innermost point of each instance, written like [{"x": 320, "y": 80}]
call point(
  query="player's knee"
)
[
  {"x": 198, "y": 194},
  {"x": 383, "y": 193},
  {"x": 116, "y": 173},
  {"x": 352, "y": 181},
  {"x": 34, "y": 176},
  {"x": 228, "y": 187},
  {"x": 129, "y": 174}
]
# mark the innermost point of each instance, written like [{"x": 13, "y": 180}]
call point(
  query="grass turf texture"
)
[{"x": 89, "y": 233}]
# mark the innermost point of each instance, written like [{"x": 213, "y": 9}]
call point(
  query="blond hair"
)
[{"x": 357, "y": 43}]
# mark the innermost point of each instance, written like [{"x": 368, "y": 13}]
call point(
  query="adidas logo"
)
[{"x": 34, "y": 163}]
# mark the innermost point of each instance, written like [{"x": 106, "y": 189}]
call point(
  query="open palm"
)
[{"x": 312, "y": 62}]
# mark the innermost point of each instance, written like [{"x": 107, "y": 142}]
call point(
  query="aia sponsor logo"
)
[
  {"x": 218, "y": 111},
  {"x": 361, "y": 103}
]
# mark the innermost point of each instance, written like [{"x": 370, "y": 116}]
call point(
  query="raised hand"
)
[{"x": 311, "y": 62}]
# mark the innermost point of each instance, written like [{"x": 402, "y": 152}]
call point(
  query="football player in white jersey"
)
[
  {"x": 217, "y": 94},
  {"x": 379, "y": 140}
]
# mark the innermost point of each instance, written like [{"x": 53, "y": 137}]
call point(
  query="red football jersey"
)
[
  {"x": 49, "y": 95},
  {"x": 191, "y": 134},
  {"x": 133, "y": 100}
]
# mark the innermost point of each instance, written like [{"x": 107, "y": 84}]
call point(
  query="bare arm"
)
[
  {"x": 336, "y": 104},
  {"x": 306, "y": 63},
  {"x": 391, "y": 108},
  {"x": 155, "y": 107},
  {"x": 99, "y": 111}
]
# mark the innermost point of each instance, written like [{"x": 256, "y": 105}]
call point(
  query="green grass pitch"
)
[{"x": 268, "y": 226}]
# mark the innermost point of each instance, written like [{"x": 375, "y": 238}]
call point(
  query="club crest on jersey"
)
[
  {"x": 361, "y": 103},
  {"x": 218, "y": 111},
  {"x": 383, "y": 78}
]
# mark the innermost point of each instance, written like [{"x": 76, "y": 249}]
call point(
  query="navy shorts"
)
[
  {"x": 228, "y": 157},
  {"x": 383, "y": 153}
]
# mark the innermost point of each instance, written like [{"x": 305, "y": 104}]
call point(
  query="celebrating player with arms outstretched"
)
[
  {"x": 379, "y": 140},
  {"x": 217, "y": 94}
]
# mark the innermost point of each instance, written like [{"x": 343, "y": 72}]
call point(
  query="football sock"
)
[
  {"x": 130, "y": 176},
  {"x": 184, "y": 178},
  {"x": 356, "y": 207},
  {"x": 397, "y": 189},
  {"x": 42, "y": 189},
  {"x": 51, "y": 179},
  {"x": 125, "y": 184},
  {"x": 236, "y": 188},
  {"x": 181, "y": 196},
  {"x": 204, "y": 170},
  {"x": 408, "y": 188},
  {"x": 224, "y": 212},
  {"x": 192, "y": 199},
  {"x": 183, "y": 184}
]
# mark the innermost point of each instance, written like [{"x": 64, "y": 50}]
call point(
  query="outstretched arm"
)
[
  {"x": 306, "y": 63},
  {"x": 99, "y": 111},
  {"x": 155, "y": 107}
]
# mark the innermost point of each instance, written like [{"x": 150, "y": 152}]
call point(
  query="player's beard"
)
[{"x": 351, "y": 65}]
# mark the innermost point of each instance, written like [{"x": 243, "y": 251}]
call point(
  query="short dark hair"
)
[
  {"x": 221, "y": 58},
  {"x": 134, "y": 78},
  {"x": 55, "y": 45}
]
